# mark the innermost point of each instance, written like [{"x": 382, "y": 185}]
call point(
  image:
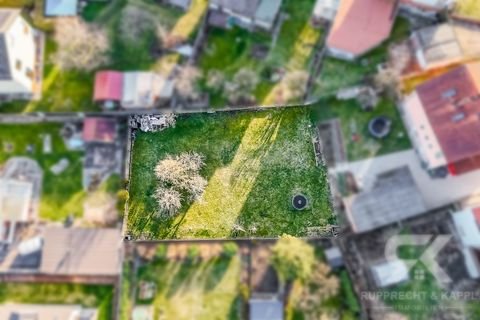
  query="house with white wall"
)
[{"x": 21, "y": 57}]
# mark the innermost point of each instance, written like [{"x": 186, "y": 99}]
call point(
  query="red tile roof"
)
[
  {"x": 108, "y": 86},
  {"x": 360, "y": 25},
  {"x": 452, "y": 104},
  {"x": 99, "y": 130},
  {"x": 476, "y": 214}
]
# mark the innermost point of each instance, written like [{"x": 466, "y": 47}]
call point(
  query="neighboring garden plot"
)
[
  {"x": 337, "y": 74},
  {"x": 217, "y": 280},
  {"x": 359, "y": 144},
  {"x": 89, "y": 296},
  {"x": 191, "y": 285},
  {"x": 254, "y": 163},
  {"x": 62, "y": 194},
  {"x": 271, "y": 58},
  {"x": 134, "y": 34}
]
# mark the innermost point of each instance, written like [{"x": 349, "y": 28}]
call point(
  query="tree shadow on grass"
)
[
  {"x": 181, "y": 278},
  {"x": 235, "y": 312},
  {"x": 215, "y": 272},
  {"x": 267, "y": 211}
]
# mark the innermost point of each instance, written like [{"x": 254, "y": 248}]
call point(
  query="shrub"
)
[
  {"x": 193, "y": 252},
  {"x": 230, "y": 249},
  {"x": 293, "y": 258}
]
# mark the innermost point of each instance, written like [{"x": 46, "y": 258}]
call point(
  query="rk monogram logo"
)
[{"x": 427, "y": 257}]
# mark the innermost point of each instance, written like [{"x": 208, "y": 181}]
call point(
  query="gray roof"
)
[
  {"x": 393, "y": 197},
  {"x": 81, "y": 251},
  {"x": 261, "y": 309},
  {"x": 7, "y": 16},
  {"x": 245, "y": 8},
  {"x": 5, "y": 73},
  {"x": 267, "y": 10}
]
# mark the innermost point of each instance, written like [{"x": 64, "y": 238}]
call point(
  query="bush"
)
[
  {"x": 293, "y": 258},
  {"x": 193, "y": 252},
  {"x": 230, "y": 249},
  {"x": 161, "y": 252},
  {"x": 244, "y": 291},
  {"x": 122, "y": 198}
]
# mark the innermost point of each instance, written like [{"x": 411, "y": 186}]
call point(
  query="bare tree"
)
[
  {"x": 179, "y": 175},
  {"x": 242, "y": 86},
  {"x": 388, "y": 78},
  {"x": 135, "y": 22},
  {"x": 296, "y": 83},
  {"x": 215, "y": 80},
  {"x": 80, "y": 45},
  {"x": 321, "y": 286},
  {"x": 186, "y": 83},
  {"x": 169, "y": 201}
]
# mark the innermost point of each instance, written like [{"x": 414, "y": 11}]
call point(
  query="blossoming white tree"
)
[{"x": 81, "y": 46}]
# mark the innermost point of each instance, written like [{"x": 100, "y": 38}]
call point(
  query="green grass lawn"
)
[
  {"x": 202, "y": 290},
  {"x": 255, "y": 163},
  {"x": 354, "y": 120},
  {"x": 230, "y": 50},
  {"x": 125, "y": 299},
  {"x": 90, "y": 296},
  {"x": 93, "y": 10},
  {"x": 61, "y": 195},
  {"x": 337, "y": 74}
]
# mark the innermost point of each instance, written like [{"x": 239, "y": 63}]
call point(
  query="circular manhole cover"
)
[{"x": 299, "y": 202}]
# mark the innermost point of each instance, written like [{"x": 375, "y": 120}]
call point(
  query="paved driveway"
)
[{"x": 436, "y": 192}]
